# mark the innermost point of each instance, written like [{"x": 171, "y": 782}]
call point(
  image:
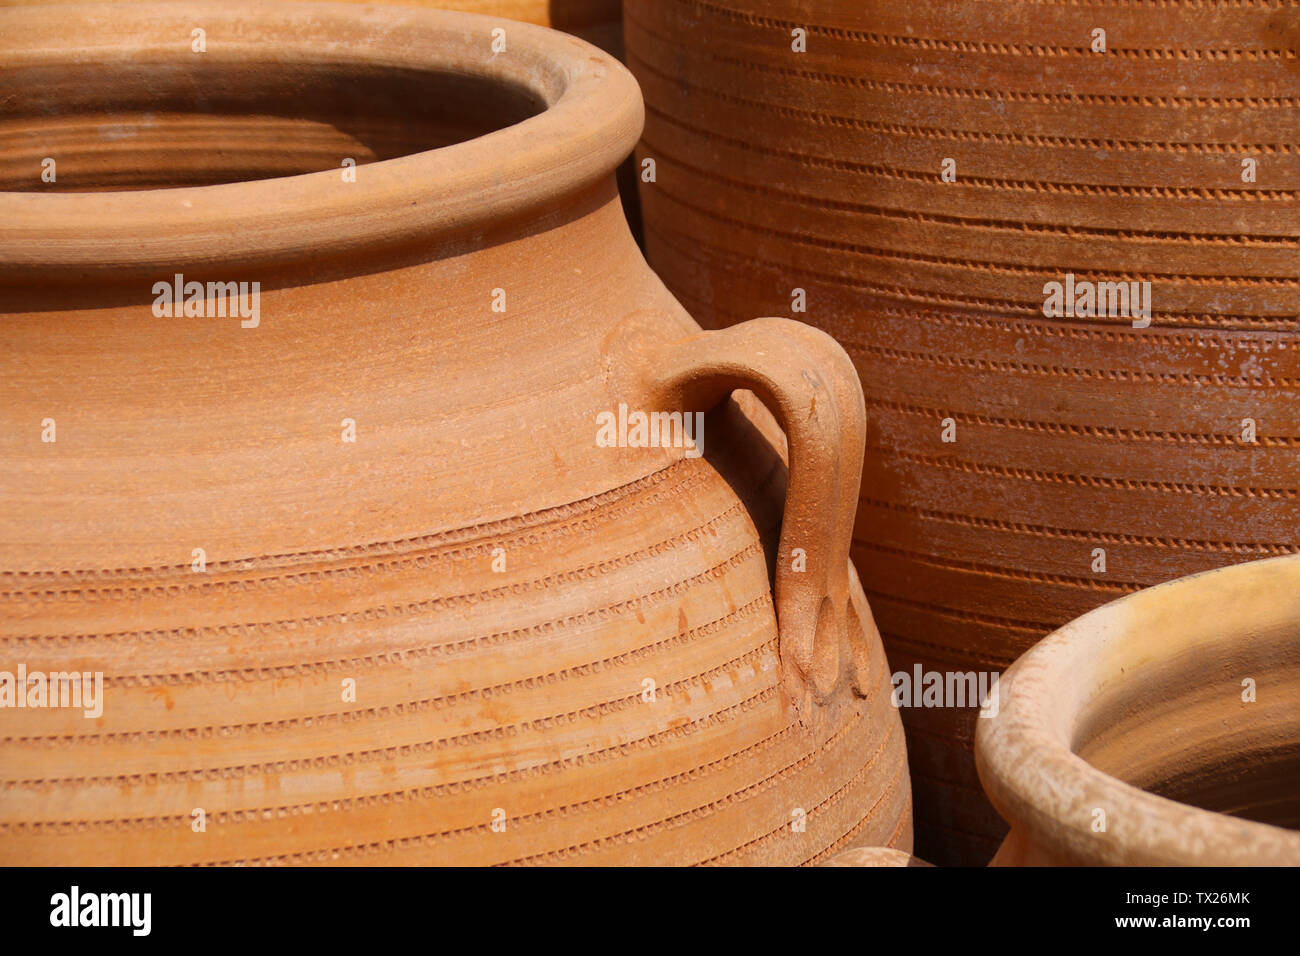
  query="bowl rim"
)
[
  {"x": 591, "y": 119},
  {"x": 1024, "y": 754}
]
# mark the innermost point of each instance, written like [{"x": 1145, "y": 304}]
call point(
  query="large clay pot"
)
[
  {"x": 1020, "y": 469},
  {"x": 362, "y": 583},
  {"x": 1162, "y": 728}
]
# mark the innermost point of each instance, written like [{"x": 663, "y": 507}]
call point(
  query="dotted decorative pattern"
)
[
  {"x": 823, "y": 170},
  {"x": 457, "y": 717}
]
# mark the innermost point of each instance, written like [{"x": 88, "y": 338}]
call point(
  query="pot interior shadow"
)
[
  {"x": 201, "y": 123},
  {"x": 1183, "y": 728}
]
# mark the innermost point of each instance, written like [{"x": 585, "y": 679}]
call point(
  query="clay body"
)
[
  {"x": 361, "y": 584},
  {"x": 925, "y": 181},
  {"x": 1161, "y": 729}
]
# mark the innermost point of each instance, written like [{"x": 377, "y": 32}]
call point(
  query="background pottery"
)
[
  {"x": 1160, "y": 729},
  {"x": 1086, "y": 458},
  {"x": 469, "y": 635}
]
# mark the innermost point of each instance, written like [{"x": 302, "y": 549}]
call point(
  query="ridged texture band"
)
[
  {"x": 475, "y": 692},
  {"x": 823, "y": 171}
]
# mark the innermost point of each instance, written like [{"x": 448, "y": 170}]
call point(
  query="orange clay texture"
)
[{"x": 914, "y": 178}]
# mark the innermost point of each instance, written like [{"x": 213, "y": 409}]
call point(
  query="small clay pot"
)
[
  {"x": 363, "y": 582},
  {"x": 1160, "y": 729}
]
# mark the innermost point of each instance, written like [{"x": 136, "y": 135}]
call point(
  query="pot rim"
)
[
  {"x": 591, "y": 119},
  {"x": 1025, "y": 754}
]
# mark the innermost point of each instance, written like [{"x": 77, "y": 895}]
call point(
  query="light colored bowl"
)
[{"x": 1162, "y": 728}]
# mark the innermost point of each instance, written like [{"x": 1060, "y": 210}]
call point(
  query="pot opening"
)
[
  {"x": 162, "y": 154},
  {"x": 93, "y": 127},
  {"x": 1188, "y": 730}
]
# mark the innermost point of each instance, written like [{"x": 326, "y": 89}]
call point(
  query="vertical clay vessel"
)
[
  {"x": 914, "y": 178},
  {"x": 1161, "y": 729},
  {"x": 359, "y": 537}
]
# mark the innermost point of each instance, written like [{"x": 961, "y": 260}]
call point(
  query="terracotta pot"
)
[
  {"x": 1087, "y": 458},
  {"x": 1162, "y": 728},
  {"x": 362, "y": 582}
]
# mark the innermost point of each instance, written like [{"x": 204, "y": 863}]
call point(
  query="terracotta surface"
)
[
  {"x": 1161, "y": 729},
  {"x": 493, "y": 588},
  {"x": 823, "y": 171}
]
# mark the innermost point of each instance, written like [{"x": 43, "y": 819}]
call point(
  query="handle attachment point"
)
[{"x": 810, "y": 385}]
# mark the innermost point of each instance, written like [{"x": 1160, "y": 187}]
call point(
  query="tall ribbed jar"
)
[{"x": 945, "y": 186}]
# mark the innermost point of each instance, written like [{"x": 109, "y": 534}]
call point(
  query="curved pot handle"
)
[{"x": 809, "y": 383}]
